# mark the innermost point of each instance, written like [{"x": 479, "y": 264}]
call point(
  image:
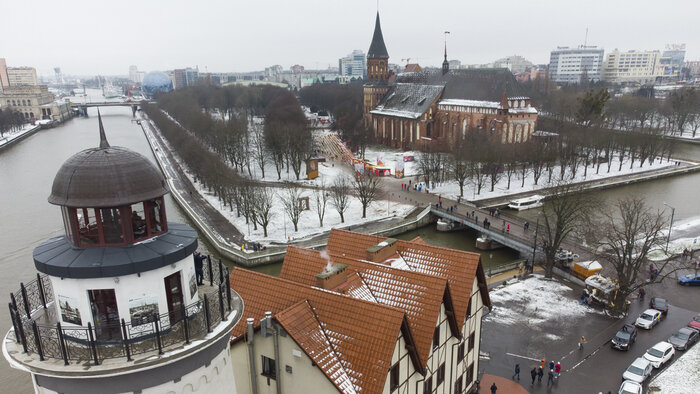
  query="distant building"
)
[
  {"x": 438, "y": 108},
  {"x": 515, "y": 63},
  {"x": 353, "y": 65},
  {"x": 630, "y": 67},
  {"x": 671, "y": 62},
  {"x": 34, "y": 102},
  {"x": 19, "y": 76},
  {"x": 297, "y": 69},
  {"x": 412, "y": 68},
  {"x": 568, "y": 65},
  {"x": 693, "y": 68},
  {"x": 135, "y": 75},
  {"x": 4, "y": 78},
  {"x": 455, "y": 64},
  {"x": 184, "y": 77}
]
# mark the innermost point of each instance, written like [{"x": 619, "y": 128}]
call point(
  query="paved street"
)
[{"x": 597, "y": 368}]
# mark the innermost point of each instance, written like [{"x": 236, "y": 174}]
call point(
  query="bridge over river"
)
[{"x": 81, "y": 108}]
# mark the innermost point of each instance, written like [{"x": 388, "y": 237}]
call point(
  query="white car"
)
[
  {"x": 648, "y": 319},
  {"x": 659, "y": 354},
  {"x": 630, "y": 387},
  {"x": 638, "y": 371}
]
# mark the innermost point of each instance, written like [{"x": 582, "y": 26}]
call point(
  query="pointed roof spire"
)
[
  {"x": 445, "y": 63},
  {"x": 103, "y": 136},
  {"x": 377, "y": 48}
]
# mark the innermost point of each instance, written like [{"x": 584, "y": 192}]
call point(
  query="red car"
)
[{"x": 695, "y": 323}]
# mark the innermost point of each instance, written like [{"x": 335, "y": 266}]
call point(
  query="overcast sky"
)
[{"x": 105, "y": 37}]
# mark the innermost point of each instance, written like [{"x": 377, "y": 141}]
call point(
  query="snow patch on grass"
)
[{"x": 681, "y": 377}]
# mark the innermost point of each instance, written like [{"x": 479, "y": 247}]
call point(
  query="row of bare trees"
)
[{"x": 10, "y": 121}]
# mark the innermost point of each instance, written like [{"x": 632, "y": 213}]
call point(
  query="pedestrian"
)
[
  {"x": 485, "y": 222},
  {"x": 476, "y": 219},
  {"x": 440, "y": 202},
  {"x": 494, "y": 388},
  {"x": 533, "y": 373},
  {"x": 581, "y": 342},
  {"x": 551, "y": 365},
  {"x": 543, "y": 362},
  {"x": 557, "y": 370},
  {"x": 472, "y": 213},
  {"x": 550, "y": 377},
  {"x": 508, "y": 228},
  {"x": 199, "y": 267},
  {"x": 517, "y": 372},
  {"x": 498, "y": 212},
  {"x": 540, "y": 373}
]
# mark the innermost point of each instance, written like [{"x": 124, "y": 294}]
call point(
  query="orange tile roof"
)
[
  {"x": 419, "y": 240},
  {"x": 418, "y": 294},
  {"x": 459, "y": 267},
  {"x": 362, "y": 334}
]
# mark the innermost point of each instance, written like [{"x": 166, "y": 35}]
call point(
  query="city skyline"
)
[{"x": 106, "y": 40}]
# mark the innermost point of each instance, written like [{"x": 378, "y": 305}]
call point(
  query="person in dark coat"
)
[
  {"x": 551, "y": 365},
  {"x": 199, "y": 267},
  {"x": 540, "y": 373},
  {"x": 533, "y": 373},
  {"x": 517, "y": 372},
  {"x": 494, "y": 388},
  {"x": 550, "y": 377}
]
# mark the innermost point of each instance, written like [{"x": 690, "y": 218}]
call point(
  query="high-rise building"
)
[
  {"x": 569, "y": 65},
  {"x": 630, "y": 66},
  {"x": 135, "y": 75},
  {"x": 353, "y": 65},
  {"x": 671, "y": 61},
  {"x": 184, "y": 77},
  {"x": 19, "y": 76},
  {"x": 4, "y": 78},
  {"x": 515, "y": 63}
]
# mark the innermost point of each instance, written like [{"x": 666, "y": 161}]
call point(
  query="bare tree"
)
[
  {"x": 625, "y": 236},
  {"x": 340, "y": 196},
  {"x": 367, "y": 190},
  {"x": 564, "y": 211},
  {"x": 290, "y": 200},
  {"x": 321, "y": 201},
  {"x": 459, "y": 167},
  {"x": 259, "y": 149},
  {"x": 263, "y": 207}
]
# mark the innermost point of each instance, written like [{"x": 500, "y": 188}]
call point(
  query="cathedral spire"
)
[
  {"x": 445, "y": 63},
  {"x": 377, "y": 49}
]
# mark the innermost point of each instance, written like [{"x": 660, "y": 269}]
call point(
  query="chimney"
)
[
  {"x": 332, "y": 276},
  {"x": 382, "y": 251}
]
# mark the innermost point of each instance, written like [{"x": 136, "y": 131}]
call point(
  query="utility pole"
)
[
  {"x": 534, "y": 246},
  {"x": 670, "y": 226}
]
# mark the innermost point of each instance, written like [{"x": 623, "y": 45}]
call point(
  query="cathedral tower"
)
[{"x": 377, "y": 71}]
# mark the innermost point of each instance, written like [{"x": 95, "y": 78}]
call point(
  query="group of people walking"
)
[{"x": 537, "y": 372}]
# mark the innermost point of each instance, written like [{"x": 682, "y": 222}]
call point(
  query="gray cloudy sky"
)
[{"x": 105, "y": 37}]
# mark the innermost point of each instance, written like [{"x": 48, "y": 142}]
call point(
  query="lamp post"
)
[
  {"x": 670, "y": 226},
  {"x": 534, "y": 246}
]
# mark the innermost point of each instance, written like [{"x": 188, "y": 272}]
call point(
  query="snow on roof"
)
[
  {"x": 407, "y": 100},
  {"x": 526, "y": 110},
  {"x": 471, "y": 103}
]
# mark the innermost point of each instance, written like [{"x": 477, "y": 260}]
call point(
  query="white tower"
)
[{"x": 115, "y": 306}]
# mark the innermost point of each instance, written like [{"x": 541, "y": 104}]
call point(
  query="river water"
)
[{"x": 28, "y": 168}]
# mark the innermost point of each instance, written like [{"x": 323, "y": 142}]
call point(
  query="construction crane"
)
[{"x": 407, "y": 60}]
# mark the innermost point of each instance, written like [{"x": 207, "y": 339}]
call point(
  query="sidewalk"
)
[{"x": 505, "y": 385}]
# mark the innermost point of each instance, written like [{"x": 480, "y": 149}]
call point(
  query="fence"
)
[{"x": 107, "y": 341}]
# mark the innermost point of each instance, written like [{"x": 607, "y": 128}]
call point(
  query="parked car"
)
[
  {"x": 630, "y": 387},
  {"x": 638, "y": 371},
  {"x": 659, "y": 304},
  {"x": 689, "y": 280},
  {"x": 648, "y": 319},
  {"x": 658, "y": 354},
  {"x": 695, "y": 323},
  {"x": 625, "y": 337},
  {"x": 684, "y": 338}
]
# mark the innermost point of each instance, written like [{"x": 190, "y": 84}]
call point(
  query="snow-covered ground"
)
[
  {"x": 451, "y": 189},
  {"x": 281, "y": 229},
  {"x": 11, "y": 135},
  {"x": 681, "y": 377},
  {"x": 675, "y": 247},
  {"x": 391, "y": 157},
  {"x": 536, "y": 300}
]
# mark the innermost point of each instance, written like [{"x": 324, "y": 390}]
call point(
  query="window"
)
[
  {"x": 436, "y": 337},
  {"x": 268, "y": 368},
  {"x": 394, "y": 377},
  {"x": 440, "y": 374},
  {"x": 458, "y": 385},
  {"x": 470, "y": 375},
  {"x": 469, "y": 308},
  {"x": 471, "y": 342},
  {"x": 428, "y": 385},
  {"x": 460, "y": 352},
  {"x": 24, "y": 103},
  {"x": 29, "y": 102}
]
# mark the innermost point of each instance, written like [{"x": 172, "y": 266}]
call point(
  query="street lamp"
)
[
  {"x": 534, "y": 246},
  {"x": 670, "y": 226}
]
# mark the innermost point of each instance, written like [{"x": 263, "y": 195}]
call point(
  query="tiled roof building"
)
[
  {"x": 414, "y": 110},
  {"x": 370, "y": 315}
]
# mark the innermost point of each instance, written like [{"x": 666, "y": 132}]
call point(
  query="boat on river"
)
[{"x": 534, "y": 201}]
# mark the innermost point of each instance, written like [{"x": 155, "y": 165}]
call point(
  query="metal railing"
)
[{"x": 120, "y": 339}]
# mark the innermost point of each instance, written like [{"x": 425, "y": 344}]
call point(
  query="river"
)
[{"x": 28, "y": 168}]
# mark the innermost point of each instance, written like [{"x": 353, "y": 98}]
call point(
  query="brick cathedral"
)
[{"x": 417, "y": 110}]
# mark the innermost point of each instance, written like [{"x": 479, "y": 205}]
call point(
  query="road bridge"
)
[{"x": 81, "y": 108}]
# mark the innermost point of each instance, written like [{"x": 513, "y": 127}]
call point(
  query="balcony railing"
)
[{"x": 119, "y": 340}]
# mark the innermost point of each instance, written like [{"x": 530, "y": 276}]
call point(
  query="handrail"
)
[{"x": 120, "y": 339}]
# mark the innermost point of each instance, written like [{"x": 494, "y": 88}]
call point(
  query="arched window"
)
[
  {"x": 13, "y": 103},
  {"x": 522, "y": 103},
  {"x": 29, "y": 103},
  {"x": 31, "y": 115},
  {"x": 24, "y": 103},
  {"x": 26, "y": 115}
]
